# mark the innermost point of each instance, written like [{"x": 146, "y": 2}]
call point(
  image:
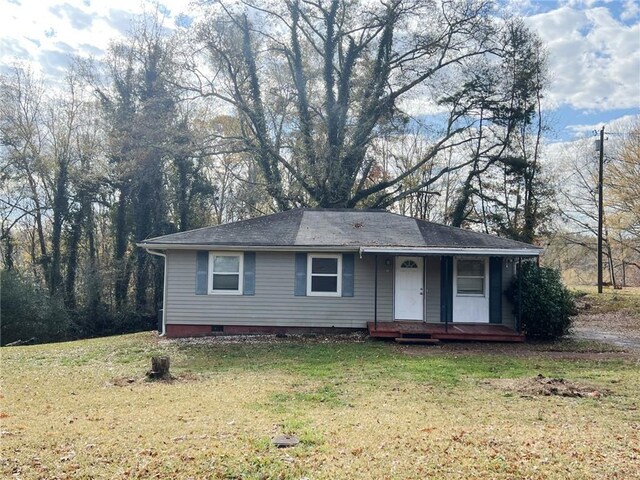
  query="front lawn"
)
[{"x": 362, "y": 409}]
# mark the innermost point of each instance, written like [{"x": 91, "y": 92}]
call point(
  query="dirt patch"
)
[
  {"x": 130, "y": 381},
  {"x": 544, "y": 386},
  {"x": 122, "y": 382}
]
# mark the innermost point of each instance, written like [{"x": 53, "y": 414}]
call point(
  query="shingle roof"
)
[{"x": 335, "y": 228}]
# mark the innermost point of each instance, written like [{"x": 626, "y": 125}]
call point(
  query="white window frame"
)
[
  {"x": 485, "y": 277},
  {"x": 310, "y": 274},
  {"x": 240, "y": 255}
]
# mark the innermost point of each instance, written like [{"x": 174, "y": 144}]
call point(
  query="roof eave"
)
[
  {"x": 269, "y": 248},
  {"x": 520, "y": 252},
  {"x": 506, "y": 252}
]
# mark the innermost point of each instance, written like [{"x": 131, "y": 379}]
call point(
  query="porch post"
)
[
  {"x": 519, "y": 294},
  {"x": 449, "y": 307},
  {"x": 375, "y": 292}
]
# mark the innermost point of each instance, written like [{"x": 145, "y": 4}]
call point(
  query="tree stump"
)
[{"x": 159, "y": 368}]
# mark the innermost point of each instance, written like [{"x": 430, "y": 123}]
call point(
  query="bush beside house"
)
[{"x": 547, "y": 305}]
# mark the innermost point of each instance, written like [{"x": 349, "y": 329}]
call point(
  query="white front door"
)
[{"x": 409, "y": 288}]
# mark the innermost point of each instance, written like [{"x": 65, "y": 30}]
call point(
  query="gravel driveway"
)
[{"x": 620, "y": 328}]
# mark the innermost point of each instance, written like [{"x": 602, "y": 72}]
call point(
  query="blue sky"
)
[{"x": 594, "y": 48}]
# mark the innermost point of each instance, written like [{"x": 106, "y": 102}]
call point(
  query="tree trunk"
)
[
  {"x": 121, "y": 234},
  {"x": 93, "y": 282},
  {"x": 72, "y": 261},
  {"x": 182, "y": 194},
  {"x": 9, "y": 245},
  {"x": 59, "y": 210}
]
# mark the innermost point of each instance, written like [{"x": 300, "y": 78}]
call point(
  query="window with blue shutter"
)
[
  {"x": 226, "y": 273},
  {"x": 324, "y": 274}
]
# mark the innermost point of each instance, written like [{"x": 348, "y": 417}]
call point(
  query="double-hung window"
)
[
  {"x": 324, "y": 276},
  {"x": 471, "y": 276},
  {"x": 225, "y": 270}
]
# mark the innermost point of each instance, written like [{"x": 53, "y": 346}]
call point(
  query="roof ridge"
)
[{"x": 332, "y": 209}]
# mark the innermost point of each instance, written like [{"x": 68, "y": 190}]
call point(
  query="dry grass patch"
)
[
  {"x": 361, "y": 410},
  {"x": 609, "y": 301}
]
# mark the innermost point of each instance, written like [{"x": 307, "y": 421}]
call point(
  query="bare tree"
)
[
  {"x": 504, "y": 190},
  {"x": 23, "y": 139},
  {"x": 315, "y": 84}
]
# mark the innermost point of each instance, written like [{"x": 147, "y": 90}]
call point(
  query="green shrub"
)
[
  {"x": 27, "y": 311},
  {"x": 547, "y": 305}
]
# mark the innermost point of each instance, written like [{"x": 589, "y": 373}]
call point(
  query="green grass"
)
[{"x": 362, "y": 410}]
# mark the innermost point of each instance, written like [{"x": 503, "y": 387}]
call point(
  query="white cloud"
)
[
  {"x": 594, "y": 58},
  {"x": 35, "y": 31},
  {"x": 621, "y": 124},
  {"x": 631, "y": 10}
]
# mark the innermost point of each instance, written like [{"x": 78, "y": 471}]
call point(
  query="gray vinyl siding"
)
[
  {"x": 385, "y": 287},
  {"x": 432, "y": 287},
  {"x": 274, "y": 302}
]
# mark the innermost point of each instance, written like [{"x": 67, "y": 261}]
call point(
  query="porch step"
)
[
  {"x": 420, "y": 340},
  {"x": 383, "y": 333},
  {"x": 415, "y": 335}
]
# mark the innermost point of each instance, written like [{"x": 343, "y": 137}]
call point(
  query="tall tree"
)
[
  {"x": 623, "y": 194},
  {"x": 151, "y": 151},
  {"x": 315, "y": 83},
  {"x": 133, "y": 86},
  {"x": 23, "y": 141},
  {"x": 503, "y": 190}
]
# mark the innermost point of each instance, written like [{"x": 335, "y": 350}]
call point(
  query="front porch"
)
[{"x": 406, "y": 332}]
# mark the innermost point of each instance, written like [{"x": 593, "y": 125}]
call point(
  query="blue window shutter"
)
[
  {"x": 446, "y": 288},
  {"x": 348, "y": 263},
  {"x": 495, "y": 290},
  {"x": 300, "y": 289},
  {"x": 202, "y": 272},
  {"x": 249, "y": 287}
]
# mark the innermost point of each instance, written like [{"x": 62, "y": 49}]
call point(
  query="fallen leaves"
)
[{"x": 389, "y": 422}]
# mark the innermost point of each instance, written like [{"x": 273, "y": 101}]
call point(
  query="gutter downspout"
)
[{"x": 164, "y": 289}]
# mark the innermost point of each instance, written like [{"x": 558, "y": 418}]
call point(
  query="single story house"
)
[{"x": 331, "y": 269}]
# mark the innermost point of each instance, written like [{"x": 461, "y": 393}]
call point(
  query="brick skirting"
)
[{"x": 176, "y": 331}]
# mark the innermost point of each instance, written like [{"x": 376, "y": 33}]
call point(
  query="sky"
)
[{"x": 593, "y": 45}]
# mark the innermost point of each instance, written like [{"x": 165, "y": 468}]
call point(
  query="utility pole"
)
[{"x": 600, "y": 208}]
